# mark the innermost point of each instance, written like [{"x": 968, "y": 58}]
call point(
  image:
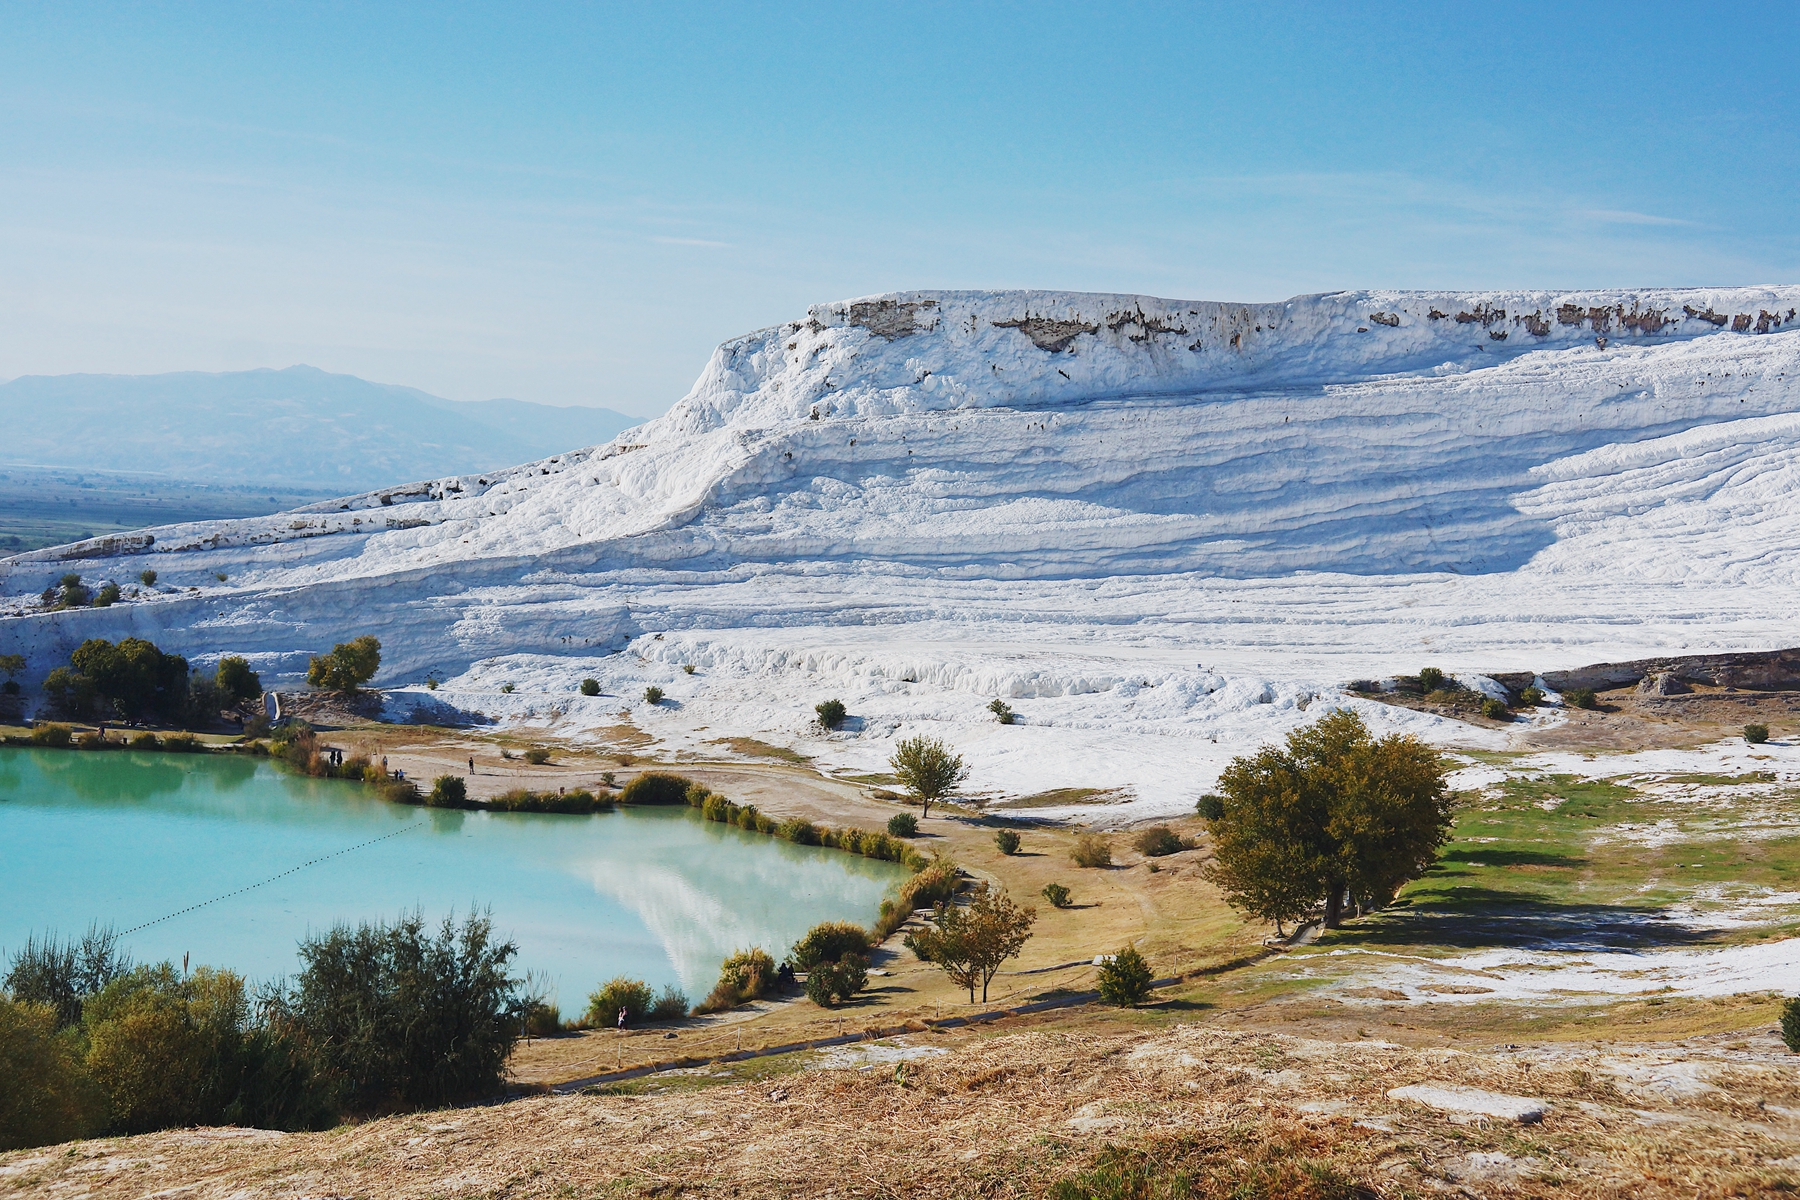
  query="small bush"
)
[
  {"x": 93, "y": 741},
  {"x": 540, "y": 1018},
  {"x": 632, "y": 995},
  {"x": 688, "y": 668},
  {"x": 107, "y": 596},
  {"x": 831, "y": 714},
  {"x": 448, "y": 791},
  {"x": 508, "y": 688},
  {"x": 1581, "y": 698},
  {"x": 672, "y": 1005},
  {"x": 1058, "y": 895},
  {"x": 656, "y": 787},
  {"x": 1531, "y": 697},
  {"x": 930, "y": 885},
  {"x": 147, "y": 578},
  {"x": 1495, "y": 710},
  {"x": 653, "y": 695},
  {"x": 1756, "y": 735},
  {"x": 747, "y": 975},
  {"x": 1159, "y": 840},
  {"x": 799, "y": 831},
  {"x": 52, "y": 735},
  {"x": 829, "y": 984},
  {"x": 1430, "y": 679},
  {"x": 1092, "y": 850},
  {"x": 1006, "y": 841},
  {"x": 146, "y": 741},
  {"x": 827, "y": 942},
  {"x": 1002, "y": 711},
  {"x": 1125, "y": 979},
  {"x": 183, "y": 743},
  {"x": 1790, "y": 1023},
  {"x": 903, "y": 824},
  {"x": 537, "y": 756},
  {"x": 590, "y": 687},
  {"x": 1211, "y": 806}
]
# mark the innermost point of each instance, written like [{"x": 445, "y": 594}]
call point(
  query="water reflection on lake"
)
[{"x": 127, "y": 837}]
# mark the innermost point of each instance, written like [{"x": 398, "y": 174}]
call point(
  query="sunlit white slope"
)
[{"x": 1142, "y": 519}]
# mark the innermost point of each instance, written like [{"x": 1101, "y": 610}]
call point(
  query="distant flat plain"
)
[{"x": 47, "y": 506}]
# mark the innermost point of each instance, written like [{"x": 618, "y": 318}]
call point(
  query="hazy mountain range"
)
[{"x": 298, "y": 427}]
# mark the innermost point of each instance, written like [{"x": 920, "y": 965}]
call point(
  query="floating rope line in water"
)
[{"x": 271, "y": 879}]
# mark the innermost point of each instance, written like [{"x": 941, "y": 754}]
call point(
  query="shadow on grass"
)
[
  {"x": 1509, "y": 858},
  {"x": 1470, "y": 917}
]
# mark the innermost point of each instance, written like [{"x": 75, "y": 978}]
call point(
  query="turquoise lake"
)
[{"x": 126, "y": 838}]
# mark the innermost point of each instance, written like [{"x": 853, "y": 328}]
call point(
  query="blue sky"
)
[{"x": 575, "y": 204}]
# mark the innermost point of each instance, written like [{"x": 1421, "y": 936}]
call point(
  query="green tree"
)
[
  {"x": 163, "y": 1046},
  {"x": 590, "y": 687},
  {"x": 133, "y": 675},
  {"x": 970, "y": 942},
  {"x": 11, "y": 666},
  {"x": 148, "y": 578},
  {"x": 928, "y": 769},
  {"x": 1125, "y": 979},
  {"x": 1332, "y": 815},
  {"x": 348, "y": 666},
  {"x": 401, "y": 1018},
  {"x": 236, "y": 682},
  {"x": 831, "y": 714}
]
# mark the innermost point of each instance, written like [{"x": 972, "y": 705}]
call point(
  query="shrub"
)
[
  {"x": 1790, "y": 1023},
  {"x": 146, "y": 741},
  {"x": 107, "y": 596},
  {"x": 1125, "y": 979},
  {"x": 1581, "y": 698},
  {"x": 49, "y": 1096},
  {"x": 799, "y": 831},
  {"x": 1002, "y": 711},
  {"x": 656, "y": 787},
  {"x": 829, "y": 984},
  {"x": 831, "y": 714},
  {"x": 827, "y": 942},
  {"x": 399, "y": 1017},
  {"x": 1092, "y": 850},
  {"x": 448, "y": 791},
  {"x": 672, "y": 1005},
  {"x": 1756, "y": 735},
  {"x": 1057, "y": 895},
  {"x": 590, "y": 687},
  {"x": 64, "y": 975},
  {"x": 537, "y": 756},
  {"x": 52, "y": 735},
  {"x": 540, "y": 1018},
  {"x": 508, "y": 688},
  {"x": 1006, "y": 841},
  {"x": 688, "y": 668},
  {"x": 1495, "y": 710},
  {"x": 903, "y": 824},
  {"x": 930, "y": 885},
  {"x": 1430, "y": 679},
  {"x": 182, "y": 743},
  {"x": 147, "y": 578},
  {"x": 653, "y": 695},
  {"x": 1531, "y": 697},
  {"x": 1211, "y": 806},
  {"x": 632, "y": 995},
  {"x": 157, "y": 1042},
  {"x": 747, "y": 975},
  {"x": 1159, "y": 840},
  {"x": 349, "y": 665},
  {"x": 92, "y": 740}
]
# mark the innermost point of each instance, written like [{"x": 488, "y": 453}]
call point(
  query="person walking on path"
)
[
  {"x": 621, "y": 1018},
  {"x": 471, "y": 764}
]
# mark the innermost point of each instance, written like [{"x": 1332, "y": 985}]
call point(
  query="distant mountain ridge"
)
[{"x": 299, "y": 427}]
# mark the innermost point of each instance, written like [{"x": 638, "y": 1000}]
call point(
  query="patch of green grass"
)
[
  {"x": 752, "y": 748},
  {"x": 1057, "y": 797}
]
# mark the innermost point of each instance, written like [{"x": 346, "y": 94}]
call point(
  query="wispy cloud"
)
[{"x": 1618, "y": 217}]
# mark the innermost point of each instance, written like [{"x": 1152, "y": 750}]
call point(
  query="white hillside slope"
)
[{"x": 1160, "y": 528}]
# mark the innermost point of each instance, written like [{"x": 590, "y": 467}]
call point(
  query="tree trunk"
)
[
  {"x": 1334, "y": 906},
  {"x": 925, "y": 811}
]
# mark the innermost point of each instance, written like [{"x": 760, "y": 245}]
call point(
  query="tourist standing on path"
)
[
  {"x": 621, "y": 1018},
  {"x": 471, "y": 764}
]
